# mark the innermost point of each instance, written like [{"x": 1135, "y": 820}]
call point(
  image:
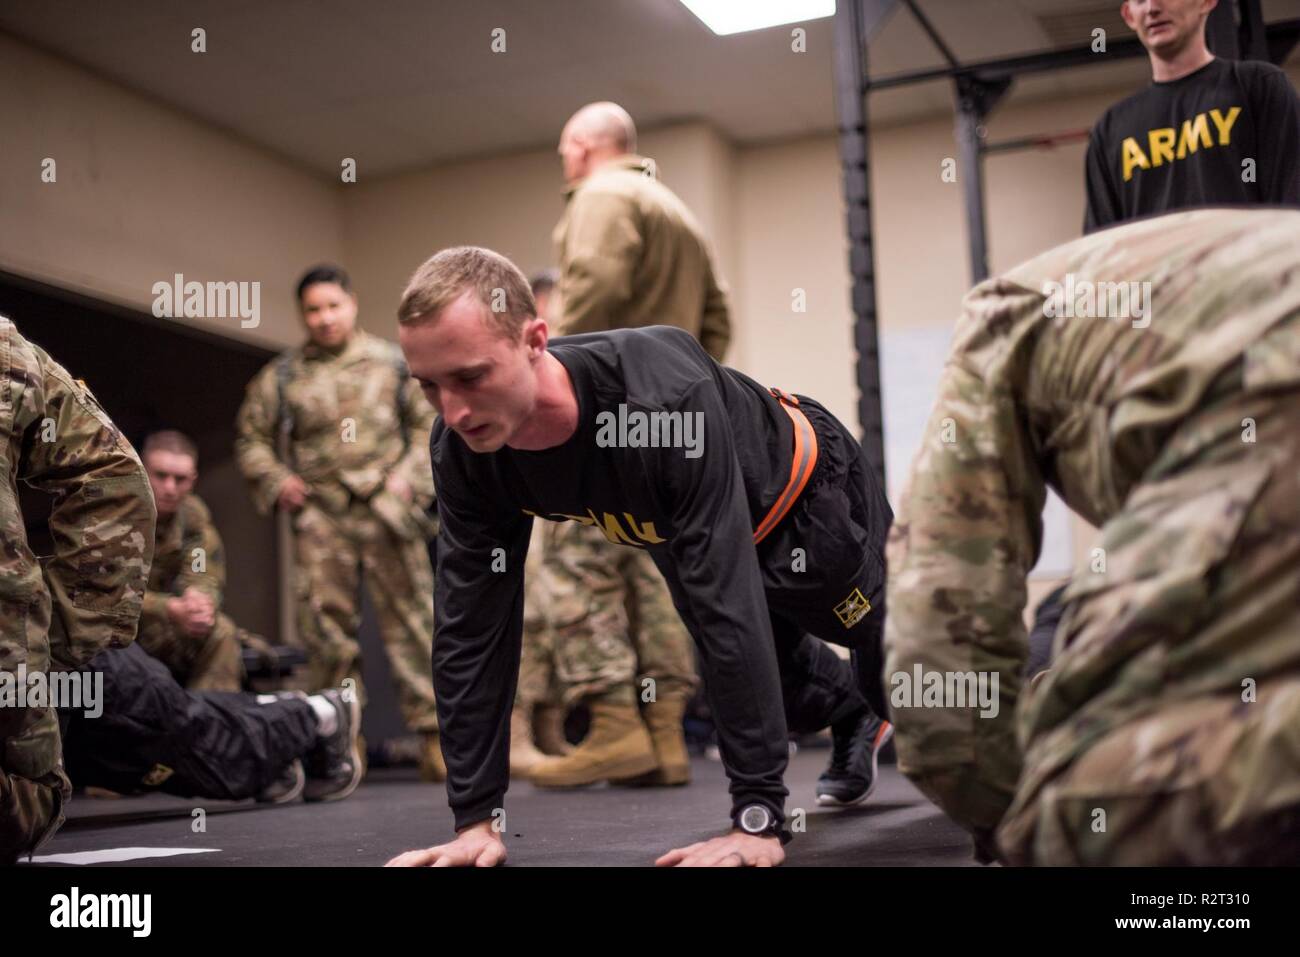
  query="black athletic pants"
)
[
  {"x": 823, "y": 568},
  {"x": 155, "y": 735}
]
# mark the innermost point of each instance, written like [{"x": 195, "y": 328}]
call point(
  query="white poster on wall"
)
[{"x": 911, "y": 361}]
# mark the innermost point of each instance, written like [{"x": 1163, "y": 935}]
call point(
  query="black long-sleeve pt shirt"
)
[{"x": 693, "y": 504}]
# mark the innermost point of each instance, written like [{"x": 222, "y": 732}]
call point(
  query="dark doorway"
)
[{"x": 152, "y": 374}]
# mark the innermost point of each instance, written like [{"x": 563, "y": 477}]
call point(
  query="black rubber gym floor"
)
[{"x": 394, "y": 811}]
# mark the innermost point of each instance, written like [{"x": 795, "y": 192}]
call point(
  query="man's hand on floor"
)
[
  {"x": 736, "y": 849},
  {"x": 476, "y": 846}
]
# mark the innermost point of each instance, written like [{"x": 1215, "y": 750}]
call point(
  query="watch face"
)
[{"x": 755, "y": 819}]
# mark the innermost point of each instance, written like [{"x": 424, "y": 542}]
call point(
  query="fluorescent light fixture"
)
[{"x": 737, "y": 16}]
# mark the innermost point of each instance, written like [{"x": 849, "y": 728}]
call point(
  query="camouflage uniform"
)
[
  {"x": 54, "y": 436},
  {"x": 538, "y": 683},
  {"x": 348, "y": 412},
  {"x": 212, "y": 662},
  {"x": 1167, "y": 730},
  {"x": 599, "y": 620}
]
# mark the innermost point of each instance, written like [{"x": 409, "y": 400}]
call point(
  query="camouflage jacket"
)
[
  {"x": 1042, "y": 389},
  {"x": 347, "y": 424},
  {"x": 56, "y": 438},
  {"x": 631, "y": 255},
  {"x": 177, "y": 563}
]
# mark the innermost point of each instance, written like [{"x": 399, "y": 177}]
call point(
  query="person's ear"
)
[
  {"x": 536, "y": 335},
  {"x": 1128, "y": 16}
]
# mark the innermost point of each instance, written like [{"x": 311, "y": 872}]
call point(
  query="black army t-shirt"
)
[
  {"x": 673, "y": 453},
  {"x": 1186, "y": 143}
]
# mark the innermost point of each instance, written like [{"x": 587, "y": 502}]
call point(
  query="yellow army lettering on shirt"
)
[
  {"x": 611, "y": 526},
  {"x": 1166, "y": 144}
]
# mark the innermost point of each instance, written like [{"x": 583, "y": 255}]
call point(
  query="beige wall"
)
[
  {"x": 507, "y": 203},
  {"x": 144, "y": 192}
]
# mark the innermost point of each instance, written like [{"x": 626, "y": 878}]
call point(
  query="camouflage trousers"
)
[
  {"x": 331, "y": 550},
  {"x": 598, "y": 620},
  {"x": 1183, "y": 747},
  {"x": 213, "y": 662},
  {"x": 34, "y": 788}
]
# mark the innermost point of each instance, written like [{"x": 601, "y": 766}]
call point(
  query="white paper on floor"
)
[{"x": 119, "y": 854}]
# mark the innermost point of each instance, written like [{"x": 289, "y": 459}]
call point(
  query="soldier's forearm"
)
[
  {"x": 257, "y": 455},
  {"x": 265, "y": 474},
  {"x": 209, "y": 575},
  {"x": 154, "y": 609}
]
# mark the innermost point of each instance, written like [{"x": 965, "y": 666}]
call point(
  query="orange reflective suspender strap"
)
[{"x": 801, "y": 465}]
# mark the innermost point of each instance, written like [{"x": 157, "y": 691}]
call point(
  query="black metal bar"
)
[
  {"x": 975, "y": 100},
  {"x": 1282, "y": 39},
  {"x": 1043, "y": 62},
  {"x": 937, "y": 40},
  {"x": 1250, "y": 36},
  {"x": 971, "y": 171},
  {"x": 1281, "y": 36},
  {"x": 1221, "y": 31},
  {"x": 1034, "y": 142},
  {"x": 875, "y": 14},
  {"x": 851, "y": 108}
]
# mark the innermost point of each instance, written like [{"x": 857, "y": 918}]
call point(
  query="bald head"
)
[
  {"x": 604, "y": 124},
  {"x": 594, "y": 135}
]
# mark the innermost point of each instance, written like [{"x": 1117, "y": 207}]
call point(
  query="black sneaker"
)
[
  {"x": 334, "y": 766},
  {"x": 851, "y": 777},
  {"x": 287, "y": 787}
]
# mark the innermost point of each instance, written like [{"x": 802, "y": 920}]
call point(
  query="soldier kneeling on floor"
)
[{"x": 182, "y": 624}]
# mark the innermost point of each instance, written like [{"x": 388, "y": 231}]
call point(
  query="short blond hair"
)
[{"x": 495, "y": 281}]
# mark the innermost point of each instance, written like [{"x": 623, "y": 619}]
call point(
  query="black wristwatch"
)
[{"x": 759, "y": 820}]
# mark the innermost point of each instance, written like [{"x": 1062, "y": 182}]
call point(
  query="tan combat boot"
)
[
  {"x": 664, "y": 718},
  {"x": 617, "y": 746},
  {"x": 548, "y": 729},
  {"x": 523, "y": 753},
  {"x": 432, "y": 767}
]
